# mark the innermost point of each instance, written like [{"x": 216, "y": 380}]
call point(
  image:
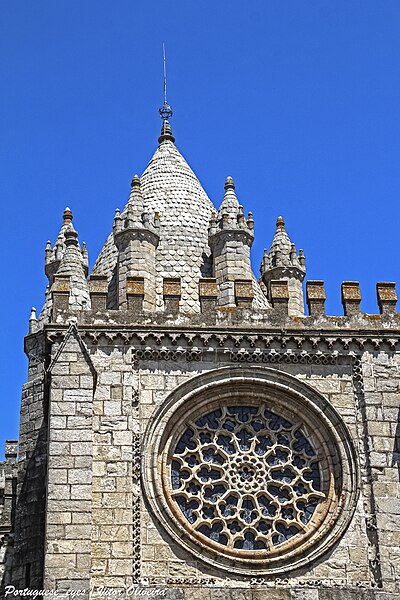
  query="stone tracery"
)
[
  {"x": 246, "y": 477},
  {"x": 250, "y": 470}
]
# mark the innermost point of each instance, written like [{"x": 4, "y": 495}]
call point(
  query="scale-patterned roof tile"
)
[{"x": 169, "y": 187}]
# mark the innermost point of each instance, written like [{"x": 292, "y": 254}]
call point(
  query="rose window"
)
[
  {"x": 250, "y": 470},
  {"x": 245, "y": 477}
]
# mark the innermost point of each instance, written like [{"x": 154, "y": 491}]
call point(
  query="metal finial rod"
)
[
  {"x": 165, "y": 111},
  {"x": 165, "y": 74}
]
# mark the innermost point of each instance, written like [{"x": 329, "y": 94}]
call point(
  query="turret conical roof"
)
[{"x": 170, "y": 187}]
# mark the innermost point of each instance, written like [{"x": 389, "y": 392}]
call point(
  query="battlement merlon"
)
[{"x": 242, "y": 311}]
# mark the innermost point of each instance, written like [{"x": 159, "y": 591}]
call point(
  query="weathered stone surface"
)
[{"x": 346, "y": 594}]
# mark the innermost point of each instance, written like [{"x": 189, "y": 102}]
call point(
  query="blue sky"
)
[{"x": 298, "y": 101}]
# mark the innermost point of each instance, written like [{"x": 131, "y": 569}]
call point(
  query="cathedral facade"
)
[{"x": 187, "y": 430}]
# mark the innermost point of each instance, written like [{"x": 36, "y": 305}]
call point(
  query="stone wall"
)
[
  {"x": 70, "y": 468},
  {"x": 101, "y": 529},
  {"x": 28, "y": 543},
  {"x": 104, "y": 391},
  {"x": 381, "y": 382},
  {"x": 8, "y": 496}
]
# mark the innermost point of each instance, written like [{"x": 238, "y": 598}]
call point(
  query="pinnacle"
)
[
  {"x": 71, "y": 235},
  {"x": 67, "y": 215},
  {"x": 135, "y": 201},
  {"x": 135, "y": 181},
  {"x": 166, "y": 132},
  {"x": 230, "y": 204},
  {"x": 283, "y": 251},
  {"x": 229, "y": 184}
]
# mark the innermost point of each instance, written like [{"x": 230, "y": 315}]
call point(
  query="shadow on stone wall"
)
[
  {"x": 396, "y": 447},
  {"x": 24, "y": 554}
]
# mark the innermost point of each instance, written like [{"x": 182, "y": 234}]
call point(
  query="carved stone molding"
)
[
  {"x": 307, "y": 340},
  {"x": 136, "y": 458},
  {"x": 167, "y": 354},
  {"x": 201, "y": 581},
  {"x": 368, "y": 487},
  {"x": 280, "y": 346},
  {"x": 289, "y": 356},
  {"x": 309, "y": 583}
]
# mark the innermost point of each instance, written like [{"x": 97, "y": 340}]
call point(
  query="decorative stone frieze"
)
[
  {"x": 136, "y": 470},
  {"x": 263, "y": 340}
]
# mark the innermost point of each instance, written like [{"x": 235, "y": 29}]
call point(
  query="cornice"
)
[{"x": 257, "y": 343}]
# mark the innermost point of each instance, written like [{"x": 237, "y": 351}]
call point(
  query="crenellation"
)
[
  {"x": 279, "y": 295},
  {"x": 172, "y": 294},
  {"x": 387, "y": 298},
  {"x": 351, "y": 298},
  {"x": 98, "y": 289},
  {"x": 316, "y": 298}
]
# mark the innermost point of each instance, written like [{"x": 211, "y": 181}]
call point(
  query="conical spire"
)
[
  {"x": 230, "y": 214},
  {"x": 283, "y": 252},
  {"x": 229, "y": 209},
  {"x": 55, "y": 254},
  {"x": 230, "y": 238},
  {"x": 73, "y": 263},
  {"x": 53, "y": 258},
  {"x": 134, "y": 215},
  {"x": 136, "y": 238},
  {"x": 73, "y": 258},
  {"x": 281, "y": 247},
  {"x": 283, "y": 264},
  {"x": 136, "y": 197}
]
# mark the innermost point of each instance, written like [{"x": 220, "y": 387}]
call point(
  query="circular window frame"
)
[{"x": 290, "y": 397}]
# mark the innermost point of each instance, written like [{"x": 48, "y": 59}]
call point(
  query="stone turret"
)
[
  {"x": 136, "y": 238},
  {"x": 283, "y": 264},
  {"x": 55, "y": 254},
  {"x": 70, "y": 288},
  {"x": 230, "y": 239},
  {"x": 66, "y": 272}
]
